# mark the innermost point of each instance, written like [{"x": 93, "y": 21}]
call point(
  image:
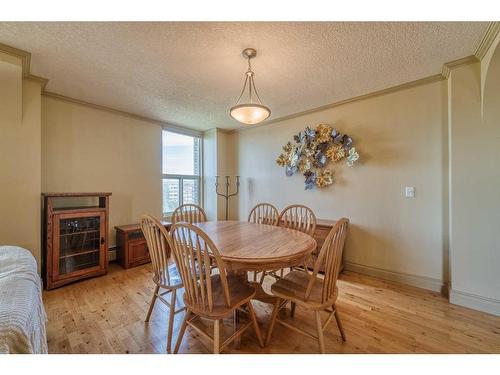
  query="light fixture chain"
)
[{"x": 250, "y": 74}]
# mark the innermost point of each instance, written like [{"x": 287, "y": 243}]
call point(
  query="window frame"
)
[{"x": 182, "y": 177}]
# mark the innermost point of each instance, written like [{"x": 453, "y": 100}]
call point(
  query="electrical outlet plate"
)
[{"x": 410, "y": 192}]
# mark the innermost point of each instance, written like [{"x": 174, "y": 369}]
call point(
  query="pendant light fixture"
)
[{"x": 251, "y": 111}]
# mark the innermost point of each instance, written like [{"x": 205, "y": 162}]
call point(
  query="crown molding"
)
[
  {"x": 23, "y": 55},
  {"x": 43, "y": 81},
  {"x": 484, "y": 45},
  {"x": 211, "y": 130},
  {"x": 389, "y": 90},
  {"x": 449, "y": 66},
  {"x": 488, "y": 38},
  {"x": 222, "y": 130},
  {"x": 165, "y": 125},
  {"x": 444, "y": 75}
]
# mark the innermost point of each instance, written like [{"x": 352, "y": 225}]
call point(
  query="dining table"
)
[{"x": 246, "y": 247}]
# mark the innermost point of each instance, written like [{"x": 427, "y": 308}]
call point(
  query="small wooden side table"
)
[{"x": 131, "y": 247}]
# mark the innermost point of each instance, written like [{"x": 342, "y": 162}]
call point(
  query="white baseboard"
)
[
  {"x": 476, "y": 302},
  {"x": 404, "y": 278}
]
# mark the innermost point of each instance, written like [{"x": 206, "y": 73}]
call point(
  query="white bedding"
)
[{"x": 22, "y": 315}]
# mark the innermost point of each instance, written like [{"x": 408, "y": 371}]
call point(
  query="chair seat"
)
[
  {"x": 293, "y": 287},
  {"x": 175, "y": 281},
  {"x": 240, "y": 293}
]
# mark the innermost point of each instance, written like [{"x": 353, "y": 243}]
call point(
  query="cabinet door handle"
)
[{"x": 102, "y": 240}]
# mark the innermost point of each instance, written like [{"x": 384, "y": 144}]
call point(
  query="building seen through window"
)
[{"x": 181, "y": 170}]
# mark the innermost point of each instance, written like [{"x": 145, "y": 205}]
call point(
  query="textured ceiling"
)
[{"x": 190, "y": 73}]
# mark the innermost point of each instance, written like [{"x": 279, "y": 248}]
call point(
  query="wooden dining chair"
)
[
  {"x": 190, "y": 213},
  {"x": 312, "y": 292},
  {"x": 208, "y": 295},
  {"x": 263, "y": 213},
  {"x": 297, "y": 217},
  {"x": 165, "y": 274}
]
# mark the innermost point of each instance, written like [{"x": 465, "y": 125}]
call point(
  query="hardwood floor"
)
[{"x": 106, "y": 315}]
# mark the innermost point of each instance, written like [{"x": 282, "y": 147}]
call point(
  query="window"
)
[{"x": 181, "y": 170}]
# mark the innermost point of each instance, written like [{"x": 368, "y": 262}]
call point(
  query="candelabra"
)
[{"x": 227, "y": 195}]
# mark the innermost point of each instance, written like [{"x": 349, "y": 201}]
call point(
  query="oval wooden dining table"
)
[{"x": 247, "y": 247}]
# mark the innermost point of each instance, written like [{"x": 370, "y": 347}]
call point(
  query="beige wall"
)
[
  {"x": 85, "y": 149},
  {"x": 218, "y": 160},
  {"x": 20, "y": 158},
  {"x": 475, "y": 187},
  {"x": 401, "y": 138},
  {"x": 226, "y": 167},
  {"x": 209, "y": 173},
  {"x": 485, "y": 62}
]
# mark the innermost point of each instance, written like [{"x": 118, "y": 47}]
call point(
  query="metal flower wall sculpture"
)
[{"x": 313, "y": 150}]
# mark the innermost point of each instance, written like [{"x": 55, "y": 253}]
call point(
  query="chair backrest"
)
[
  {"x": 330, "y": 256},
  {"x": 264, "y": 213},
  {"x": 190, "y": 213},
  {"x": 157, "y": 239},
  {"x": 298, "y": 217},
  {"x": 194, "y": 253}
]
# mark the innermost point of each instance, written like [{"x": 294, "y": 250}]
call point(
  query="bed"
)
[{"x": 22, "y": 315}]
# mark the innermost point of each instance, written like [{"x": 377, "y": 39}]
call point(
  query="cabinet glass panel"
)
[{"x": 79, "y": 243}]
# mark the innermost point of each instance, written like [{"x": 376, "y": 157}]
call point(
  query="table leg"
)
[{"x": 260, "y": 295}]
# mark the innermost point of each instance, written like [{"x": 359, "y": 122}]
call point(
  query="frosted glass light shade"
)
[{"x": 250, "y": 113}]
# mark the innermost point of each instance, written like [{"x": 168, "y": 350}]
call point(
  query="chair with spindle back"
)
[
  {"x": 297, "y": 217},
  {"x": 190, "y": 213},
  {"x": 165, "y": 274},
  {"x": 312, "y": 292},
  {"x": 263, "y": 213},
  {"x": 207, "y": 295}
]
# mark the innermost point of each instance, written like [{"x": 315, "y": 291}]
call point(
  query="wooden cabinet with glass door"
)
[{"x": 75, "y": 237}]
